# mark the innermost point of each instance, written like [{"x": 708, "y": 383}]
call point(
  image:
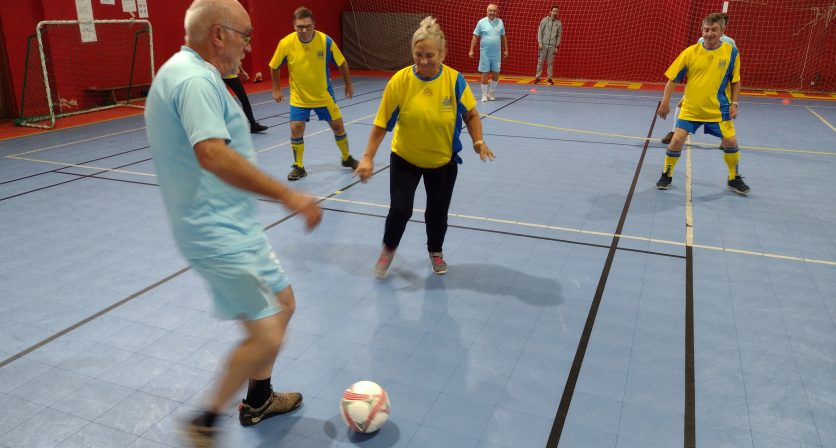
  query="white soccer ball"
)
[{"x": 365, "y": 407}]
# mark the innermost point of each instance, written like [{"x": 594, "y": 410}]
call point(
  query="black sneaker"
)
[
  {"x": 738, "y": 186},
  {"x": 297, "y": 172},
  {"x": 537, "y": 80},
  {"x": 550, "y": 82},
  {"x": 277, "y": 404},
  {"x": 667, "y": 138},
  {"x": 257, "y": 128},
  {"x": 350, "y": 163},
  {"x": 664, "y": 182},
  {"x": 200, "y": 436}
]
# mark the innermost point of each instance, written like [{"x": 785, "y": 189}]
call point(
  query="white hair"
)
[
  {"x": 429, "y": 29},
  {"x": 201, "y": 15}
]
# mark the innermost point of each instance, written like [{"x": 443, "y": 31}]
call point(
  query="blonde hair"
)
[{"x": 429, "y": 29}]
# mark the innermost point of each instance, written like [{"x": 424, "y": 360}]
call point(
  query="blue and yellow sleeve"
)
[
  {"x": 679, "y": 68},
  {"x": 279, "y": 56},
  {"x": 387, "y": 112}
]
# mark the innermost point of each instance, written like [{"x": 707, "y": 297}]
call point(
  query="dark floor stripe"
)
[
  {"x": 575, "y": 370},
  {"x": 690, "y": 380}
]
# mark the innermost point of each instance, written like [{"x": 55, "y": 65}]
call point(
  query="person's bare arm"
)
[
  {"x": 473, "y": 45},
  {"x": 231, "y": 167},
  {"x": 276, "y": 76},
  {"x": 665, "y": 105},
  {"x": 349, "y": 88},
  {"x": 735, "y": 94},
  {"x": 474, "y": 128}
]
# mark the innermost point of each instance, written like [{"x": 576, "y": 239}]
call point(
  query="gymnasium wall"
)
[
  {"x": 784, "y": 44},
  {"x": 271, "y": 19}
]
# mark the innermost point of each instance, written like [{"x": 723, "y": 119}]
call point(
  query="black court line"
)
[
  {"x": 517, "y": 234},
  {"x": 64, "y": 167},
  {"x": 133, "y": 296},
  {"x": 690, "y": 426},
  {"x": 583, "y": 343}
]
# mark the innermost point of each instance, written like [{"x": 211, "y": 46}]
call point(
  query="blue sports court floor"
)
[{"x": 582, "y": 308}]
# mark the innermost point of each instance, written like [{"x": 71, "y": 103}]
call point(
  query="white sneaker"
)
[
  {"x": 491, "y": 97},
  {"x": 484, "y": 99}
]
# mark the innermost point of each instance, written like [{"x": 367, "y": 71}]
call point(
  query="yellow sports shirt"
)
[
  {"x": 710, "y": 76},
  {"x": 308, "y": 65},
  {"x": 426, "y": 115}
]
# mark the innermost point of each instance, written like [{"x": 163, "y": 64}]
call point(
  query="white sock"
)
[
  {"x": 493, "y": 86},
  {"x": 484, "y": 89},
  {"x": 675, "y": 114}
]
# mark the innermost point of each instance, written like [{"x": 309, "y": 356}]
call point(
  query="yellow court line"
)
[
  {"x": 88, "y": 167},
  {"x": 634, "y": 137},
  {"x": 74, "y": 142},
  {"x": 821, "y": 118},
  {"x": 601, "y": 234}
]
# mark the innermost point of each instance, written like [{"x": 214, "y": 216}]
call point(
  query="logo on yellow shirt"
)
[
  {"x": 428, "y": 92},
  {"x": 722, "y": 63},
  {"x": 320, "y": 55},
  {"x": 446, "y": 103}
]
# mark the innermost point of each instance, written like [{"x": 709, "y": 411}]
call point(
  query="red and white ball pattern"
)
[{"x": 365, "y": 407}]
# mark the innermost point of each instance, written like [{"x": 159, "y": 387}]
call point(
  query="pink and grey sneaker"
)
[
  {"x": 437, "y": 262},
  {"x": 381, "y": 268}
]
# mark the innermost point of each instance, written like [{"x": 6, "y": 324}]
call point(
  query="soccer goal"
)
[{"x": 75, "y": 67}]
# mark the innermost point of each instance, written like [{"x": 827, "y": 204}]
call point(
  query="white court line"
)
[
  {"x": 87, "y": 167},
  {"x": 689, "y": 205},
  {"x": 821, "y": 118},
  {"x": 606, "y": 235}
]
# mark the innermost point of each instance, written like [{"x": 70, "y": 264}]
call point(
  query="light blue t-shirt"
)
[
  {"x": 723, "y": 38},
  {"x": 188, "y": 103},
  {"x": 490, "y": 36}
]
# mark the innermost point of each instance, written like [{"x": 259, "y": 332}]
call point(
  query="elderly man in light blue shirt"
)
[
  {"x": 490, "y": 31},
  {"x": 205, "y": 163}
]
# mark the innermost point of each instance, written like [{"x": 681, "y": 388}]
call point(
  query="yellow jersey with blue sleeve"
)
[
  {"x": 426, "y": 115},
  {"x": 309, "y": 68},
  {"x": 710, "y": 76}
]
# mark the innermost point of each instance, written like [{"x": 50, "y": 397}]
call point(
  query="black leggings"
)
[
  {"x": 238, "y": 88},
  {"x": 403, "y": 180}
]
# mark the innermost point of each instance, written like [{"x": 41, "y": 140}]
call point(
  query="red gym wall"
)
[
  {"x": 602, "y": 39},
  {"x": 271, "y": 19}
]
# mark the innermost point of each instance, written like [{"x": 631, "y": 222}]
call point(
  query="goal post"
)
[{"x": 64, "y": 75}]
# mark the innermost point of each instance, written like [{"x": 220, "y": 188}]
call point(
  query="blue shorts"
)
[
  {"x": 723, "y": 129},
  {"x": 489, "y": 63},
  {"x": 327, "y": 113},
  {"x": 244, "y": 284}
]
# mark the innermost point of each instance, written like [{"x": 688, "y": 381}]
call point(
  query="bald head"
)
[{"x": 202, "y": 14}]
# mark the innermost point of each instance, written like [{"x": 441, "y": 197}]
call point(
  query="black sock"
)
[
  {"x": 258, "y": 393},
  {"x": 206, "y": 419}
]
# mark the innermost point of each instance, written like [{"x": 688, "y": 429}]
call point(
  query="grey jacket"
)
[{"x": 550, "y": 32}]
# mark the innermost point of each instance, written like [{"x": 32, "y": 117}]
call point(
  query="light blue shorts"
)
[
  {"x": 489, "y": 63},
  {"x": 326, "y": 113},
  {"x": 723, "y": 129},
  {"x": 244, "y": 284}
]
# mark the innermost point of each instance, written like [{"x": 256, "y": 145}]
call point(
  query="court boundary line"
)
[
  {"x": 690, "y": 407},
  {"x": 832, "y": 128},
  {"x": 580, "y": 353}
]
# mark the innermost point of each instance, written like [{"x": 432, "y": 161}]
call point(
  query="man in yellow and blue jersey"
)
[
  {"x": 669, "y": 136},
  {"x": 308, "y": 55},
  {"x": 713, "y": 71}
]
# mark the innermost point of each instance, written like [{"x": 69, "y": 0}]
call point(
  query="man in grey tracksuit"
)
[{"x": 548, "y": 41}]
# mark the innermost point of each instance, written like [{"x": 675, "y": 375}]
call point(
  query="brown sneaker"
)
[
  {"x": 667, "y": 138},
  {"x": 277, "y": 404},
  {"x": 200, "y": 436}
]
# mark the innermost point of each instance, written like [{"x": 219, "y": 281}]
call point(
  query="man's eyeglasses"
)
[
  {"x": 304, "y": 27},
  {"x": 247, "y": 37}
]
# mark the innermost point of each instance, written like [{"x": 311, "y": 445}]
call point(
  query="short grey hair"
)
[
  {"x": 201, "y": 15},
  {"x": 429, "y": 29}
]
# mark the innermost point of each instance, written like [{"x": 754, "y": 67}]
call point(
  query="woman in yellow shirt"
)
[{"x": 425, "y": 104}]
